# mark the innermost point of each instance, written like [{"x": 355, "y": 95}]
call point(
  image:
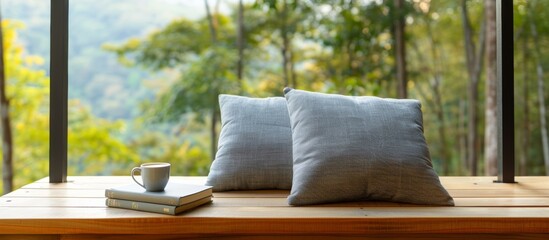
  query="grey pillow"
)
[
  {"x": 255, "y": 145},
  {"x": 360, "y": 148}
]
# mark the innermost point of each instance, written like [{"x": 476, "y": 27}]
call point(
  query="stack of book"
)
[{"x": 175, "y": 198}]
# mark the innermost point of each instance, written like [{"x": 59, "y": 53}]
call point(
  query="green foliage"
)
[
  {"x": 197, "y": 89},
  {"x": 433, "y": 52},
  {"x": 527, "y": 111},
  {"x": 96, "y": 78},
  {"x": 26, "y": 90},
  {"x": 187, "y": 155},
  {"x": 342, "y": 46},
  {"x": 94, "y": 147},
  {"x": 207, "y": 65},
  {"x": 208, "y": 69},
  {"x": 166, "y": 48}
]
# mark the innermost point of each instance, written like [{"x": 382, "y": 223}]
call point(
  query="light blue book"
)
[
  {"x": 156, "y": 208},
  {"x": 175, "y": 194}
]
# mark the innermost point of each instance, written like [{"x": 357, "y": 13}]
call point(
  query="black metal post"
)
[
  {"x": 506, "y": 107},
  {"x": 59, "y": 49}
]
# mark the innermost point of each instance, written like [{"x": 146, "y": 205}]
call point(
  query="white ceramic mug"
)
[{"x": 155, "y": 175}]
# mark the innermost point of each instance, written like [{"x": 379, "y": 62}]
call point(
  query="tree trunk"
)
[
  {"x": 444, "y": 150},
  {"x": 435, "y": 104},
  {"x": 213, "y": 31},
  {"x": 435, "y": 86},
  {"x": 7, "y": 139},
  {"x": 525, "y": 137},
  {"x": 462, "y": 126},
  {"x": 285, "y": 45},
  {"x": 213, "y": 133},
  {"x": 240, "y": 45},
  {"x": 293, "y": 74},
  {"x": 474, "y": 67},
  {"x": 214, "y": 113},
  {"x": 541, "y": 91},
  {"x": 491, "y": 120},
  {"x": 400, "y": 50}
]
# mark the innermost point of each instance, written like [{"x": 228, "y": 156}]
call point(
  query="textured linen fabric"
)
[
  {"x": 360, "y": 148},
  {"x": 255, "y": 145}
]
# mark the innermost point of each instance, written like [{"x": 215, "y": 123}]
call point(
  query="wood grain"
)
[
  {"x": 276, "y": 202},
  {"x": 76, "y": 210},
  {"x": 100, "y": 193},
  {"x": 318, "y": 237},
  {"x": 334, "y": 237},
  {"x": 213, "y": 211},
  {"x": 271, "y": 237},
  {"x": 275, "y": 225}
]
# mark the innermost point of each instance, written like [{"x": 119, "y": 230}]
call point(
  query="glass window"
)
[
  {"x": 25, "y": 32},
  {"x": 531, "y": 63},
  {"x": 144, "y": 75}
]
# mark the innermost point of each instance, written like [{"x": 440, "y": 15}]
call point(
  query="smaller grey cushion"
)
[
  {"x": 360, "y": 148},
  {"x": 255, "y": 145}
]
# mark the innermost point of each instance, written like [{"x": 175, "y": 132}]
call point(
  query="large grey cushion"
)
[
  {"x": 356, "y": 148},
  {"x": 255, "y": 145}
]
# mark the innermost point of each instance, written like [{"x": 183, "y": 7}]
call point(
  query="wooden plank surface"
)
[
  {"x": 77, "y": 207},
  {"x": 315, "y": 225},
  {"x": 448, "y": 181},
  {"x": 272, "y": 237},
  {"x": 99, "y": 202},
  {"x": 215, "y": 211},
  {"x": 456, "y": 193}
]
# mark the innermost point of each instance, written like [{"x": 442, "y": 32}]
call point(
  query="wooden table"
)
[{"x": 76, "y": 210}]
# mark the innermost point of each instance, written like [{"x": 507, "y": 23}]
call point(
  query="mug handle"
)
[{"x": 137, "y": 169}]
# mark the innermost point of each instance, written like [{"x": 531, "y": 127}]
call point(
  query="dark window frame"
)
[
  {"x": 505, "y": 92},
  {"x": 59, "y": 54},
  {"x": 59, "y": 91}
]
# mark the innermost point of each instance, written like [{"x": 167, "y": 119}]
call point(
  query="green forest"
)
[{"x": 144, "y": 76}]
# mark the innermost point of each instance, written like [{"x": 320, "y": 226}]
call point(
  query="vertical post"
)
[
  {"x": 59, "y": 49},
  {"x": 505, "y": 75}
]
